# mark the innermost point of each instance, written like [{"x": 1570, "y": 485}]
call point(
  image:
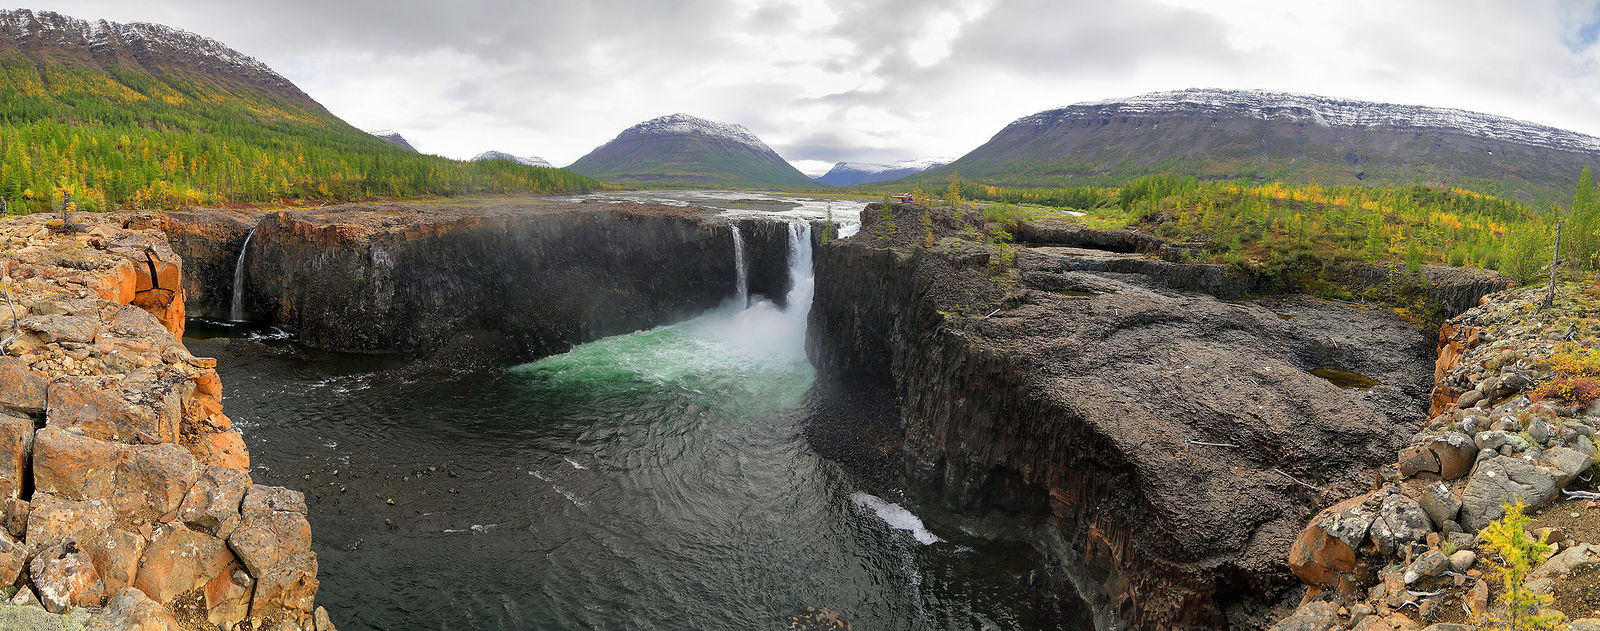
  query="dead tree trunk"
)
[{"x": 1555, "y": 261}]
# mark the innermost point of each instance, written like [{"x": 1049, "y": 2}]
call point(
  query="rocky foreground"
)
[
  {"x": 1159, "y": 432},
  {"x": 125, "y": 494},
  {"x": 1510, "y": 422}
]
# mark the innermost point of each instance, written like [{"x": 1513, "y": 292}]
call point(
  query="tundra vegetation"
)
[{"x": 1276, "y": 225}]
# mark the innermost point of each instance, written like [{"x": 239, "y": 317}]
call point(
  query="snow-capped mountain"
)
[
  {"x": 684, "y": 124},
  {"x": 1324, "y": 111},
  {"x": 1263, "y": 135},
  {"x": 149, "y": 45},
  {"x": 686, "y": 151},
  {"x": 394, "y": 138},
  {"x": 532, "y": 161},
  {"x": 852, "y": 173}
]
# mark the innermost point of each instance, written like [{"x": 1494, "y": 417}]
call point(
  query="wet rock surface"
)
[
  {"x": 1174, "y": 441},
  {"x": 120, "y": 477}
]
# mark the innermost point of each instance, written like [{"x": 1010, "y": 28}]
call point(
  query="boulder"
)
[
  {"x": 65, "y": 577},
  {"x": 131, "y": 610},
  {"x": 273, "y": 498},
  {"x": 134, "y": 409},
  {"x": 1496, "y": 482},
  {"x": 213, "y": 504},
  {"x": 21, "y": 388},
  {"x": 227, "y": 449},
  {"x": 1571, "y": 463},
  {"x": 1417, "y": 459},
  {"x": 1328, "y": 544},
  {"x": 53, "y": 519},
  {"x": 1428, "y": 564},
  {"x": 62, "y": 328},
  {"x": 142, "y": 481},
  {"x": 25, "y": 598},
  {"x": 1400, "y": 521},
  {"x": 291, "y": 585},
  {"x": 16, "y": 450},
  {"x": 1314, "y": 616},
  {"x": 227, "y": 596},
  {"x": 321, "y": 620},
  {"x": 1567, "y": 561},
  {"x": 1455, "y": 452},
  {"x": 1435, "y": 499},
  {"x": 266, "y": 539},
  {"x": 179, "y": 559},
  {"x": 115, "y": 553},
  {"x": 1469, "y": 399},
  {"x": 14, "y": 516},
  {"x": 13, "y": 559}
]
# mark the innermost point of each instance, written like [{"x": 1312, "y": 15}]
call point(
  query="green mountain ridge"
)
[{"x": 105, "y": 116}]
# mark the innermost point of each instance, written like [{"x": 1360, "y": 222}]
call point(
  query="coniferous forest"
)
[{"x": 109, "y": 138}]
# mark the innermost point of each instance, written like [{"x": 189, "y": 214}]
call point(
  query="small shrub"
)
[
  {"x": 1518, "y": 608},
  {"x": 1575, "y": 361},
  {"x": 1580, "y": 391}
]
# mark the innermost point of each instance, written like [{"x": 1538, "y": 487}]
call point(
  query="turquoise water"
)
[{"x": 656, "y": 480}]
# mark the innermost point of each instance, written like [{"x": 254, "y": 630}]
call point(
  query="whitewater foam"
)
[{"x": 896, "y": 516}]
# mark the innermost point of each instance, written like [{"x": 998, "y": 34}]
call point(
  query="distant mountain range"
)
[
  {"x": 853, "y": 173},
  {"x": 394, "y": 138},
  {"x": 532, "y": 161},
  {"x": 685, "y": 151},
  {"x": 1279, "y": 136}
]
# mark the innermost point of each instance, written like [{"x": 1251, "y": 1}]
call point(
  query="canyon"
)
[{"x": 1113, "y": 411}]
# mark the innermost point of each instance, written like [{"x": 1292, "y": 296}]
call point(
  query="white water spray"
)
[
  {"x": 896, "y": 516},
  {"x": 236, "y": 310},
  {"x": 802, "y": 282},
  {"x": 741, "y": 281}
]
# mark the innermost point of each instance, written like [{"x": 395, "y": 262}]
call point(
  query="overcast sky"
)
[{"x": 872, "y": 80}]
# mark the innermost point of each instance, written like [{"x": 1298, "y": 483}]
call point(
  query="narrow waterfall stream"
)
[
  {"x": 741, "y": 267},
  {"x": 236, "y": 307},
  {"x": 652, "y": 480}
]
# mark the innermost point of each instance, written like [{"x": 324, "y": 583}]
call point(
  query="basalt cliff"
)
[
  {"x": 513, "y": 279},
  {"x": 1159, "y": 432}
]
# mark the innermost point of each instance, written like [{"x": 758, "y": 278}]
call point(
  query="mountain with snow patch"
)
[
  {"x": 853, "y": 173},
  {"x": 683, "y": 151},
  {"x": 393, "y": 138},
  {"x": 532, "y": 161},
  {"x": 1253, "y": 134}
]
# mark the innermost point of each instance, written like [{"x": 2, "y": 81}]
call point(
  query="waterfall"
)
[
  {"x": 741, "y": 281},
  {"x": 236, "y": 310},
  {"x": 801, "y": 279}
]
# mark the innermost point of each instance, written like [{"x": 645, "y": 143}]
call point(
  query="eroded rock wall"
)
[
  {"x": 123, "y": 487},
  {"x": 1071, "y": 395},
  {"x": 516, "y": 280}
]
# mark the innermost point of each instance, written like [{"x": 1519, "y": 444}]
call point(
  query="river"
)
[{"x": 653, "y": 480}]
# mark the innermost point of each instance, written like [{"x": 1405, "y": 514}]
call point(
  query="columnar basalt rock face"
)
[
  {"x": 526, "y": 278},
  {"x": 119, "y": 473},
  {"x": 209, "y": 242},
  {"x": 1077, "y": 400}
]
